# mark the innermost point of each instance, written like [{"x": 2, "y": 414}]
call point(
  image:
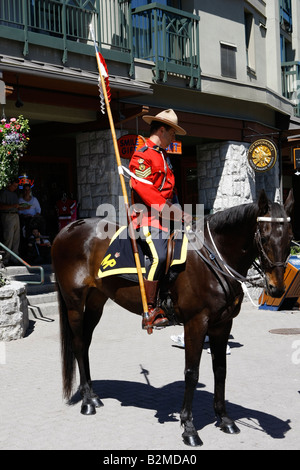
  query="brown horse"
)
[{"x": 206, "y": 295}]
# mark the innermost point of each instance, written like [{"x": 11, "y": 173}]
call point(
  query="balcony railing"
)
[
  {"x": 291, "y": 83},
  {"x": 170, "y": 38},
  {"x": 64, "y": 25},
  {"x": 166, "y": 36}
]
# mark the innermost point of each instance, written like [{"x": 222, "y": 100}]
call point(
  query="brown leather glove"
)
[{"x": 173, "y": 212}]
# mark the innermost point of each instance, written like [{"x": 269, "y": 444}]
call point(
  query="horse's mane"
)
[{"x": 229, "y": 218}]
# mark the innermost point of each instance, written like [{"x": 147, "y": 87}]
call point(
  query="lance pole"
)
[{"x": 123, "y": 186}]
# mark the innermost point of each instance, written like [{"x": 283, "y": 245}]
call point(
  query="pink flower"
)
[
  {"x": 7, "y": 126},
  {"x": 12, "y": 119}
]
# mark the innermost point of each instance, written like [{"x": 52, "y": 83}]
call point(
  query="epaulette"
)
[{"x": 143, "y": 149}]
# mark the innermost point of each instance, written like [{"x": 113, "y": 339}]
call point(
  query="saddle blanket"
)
[{"x": 119, "y": 258}]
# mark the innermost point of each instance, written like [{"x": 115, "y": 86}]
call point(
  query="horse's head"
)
[{"x": 273, "y": 238}]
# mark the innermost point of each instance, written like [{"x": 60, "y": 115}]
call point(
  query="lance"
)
[{"x": 102, "y": 73}]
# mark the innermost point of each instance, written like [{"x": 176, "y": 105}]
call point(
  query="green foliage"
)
[
  {"x": 295, "y": 250},
  {"x": 13, "y": 142},
  {"x": 3, "y": 280}
]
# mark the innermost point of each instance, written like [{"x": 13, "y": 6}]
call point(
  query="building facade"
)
[{"x": 229, "y": 68}]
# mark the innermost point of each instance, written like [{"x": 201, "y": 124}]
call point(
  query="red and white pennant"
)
[{"x": 104, "y": 72}]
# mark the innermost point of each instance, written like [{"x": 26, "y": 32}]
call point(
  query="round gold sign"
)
[{"x": 262, "y": 155}]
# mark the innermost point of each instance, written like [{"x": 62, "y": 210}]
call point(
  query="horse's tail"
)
[{"x": 67, "y": 355}]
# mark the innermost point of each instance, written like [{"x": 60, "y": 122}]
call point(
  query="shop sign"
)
[
  {"x": 262, "y": 155},
  {"x": 175, "y": 148},
  {"x": 296, "y": 158},
  {"x": 129, "y": 143}
]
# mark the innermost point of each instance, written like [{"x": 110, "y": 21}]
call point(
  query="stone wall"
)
[
  {"x": 97, "y": 175},
  {"x": 225, "y": 178},
  {"x": 14, "y": 318}
]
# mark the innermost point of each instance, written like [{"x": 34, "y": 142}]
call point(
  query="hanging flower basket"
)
[{"x": 13, "y": 142}]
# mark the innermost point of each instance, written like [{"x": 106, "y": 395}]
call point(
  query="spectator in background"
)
[
  {"x": 30, "y": 211},
  {"x": 10, "y": 221},
  {"x": 39, "y": 248}
]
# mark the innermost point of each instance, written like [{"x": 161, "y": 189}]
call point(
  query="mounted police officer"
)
[{"x": 153, "y": 185}]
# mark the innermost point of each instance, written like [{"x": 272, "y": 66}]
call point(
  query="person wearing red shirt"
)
[{"x": 154, "y": 210}]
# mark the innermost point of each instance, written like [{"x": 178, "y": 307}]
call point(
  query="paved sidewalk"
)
[{"x": 139, "y": 378}]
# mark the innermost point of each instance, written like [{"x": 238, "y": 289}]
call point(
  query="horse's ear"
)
[
  {"x": 289, "y": 203},
  {"x": 263, "y": 203}
]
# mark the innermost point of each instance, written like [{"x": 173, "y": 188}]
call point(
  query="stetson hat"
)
[{"x": 166, "y": 117}]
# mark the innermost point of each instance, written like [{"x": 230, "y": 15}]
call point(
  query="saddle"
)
[{"x": 119, "y": 259}]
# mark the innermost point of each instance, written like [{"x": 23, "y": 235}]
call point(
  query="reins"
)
[
  {"x": 228, "y": 271},
  {"x": 216, "y": 257}
]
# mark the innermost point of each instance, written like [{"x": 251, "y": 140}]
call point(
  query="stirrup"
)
[{"x": 156, "y": 318}]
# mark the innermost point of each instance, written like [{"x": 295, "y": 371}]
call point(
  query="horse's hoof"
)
[
  {"x": 88, "y": 409},
  {"x": 193, "y": 441},
  {"x": 229, "y": 427},
  {"x": 97, "y": 402}
]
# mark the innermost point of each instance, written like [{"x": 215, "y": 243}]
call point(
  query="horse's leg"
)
[
  {"x": 81, "y": 354},
  {"x": 194, "y": 340},
  {"x": 90, "y": 399},
  {"x": 218, "y": 343},
  {"x": 83, "y": 326}
]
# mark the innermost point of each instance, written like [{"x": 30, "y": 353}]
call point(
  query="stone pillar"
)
[
  {"x": 14, "y": 318},
  {"x": 225, "y": 178},
  {"x": 98, "y": 178}
]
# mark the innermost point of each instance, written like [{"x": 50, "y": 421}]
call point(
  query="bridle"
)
[{"x": 261, "y": 251}]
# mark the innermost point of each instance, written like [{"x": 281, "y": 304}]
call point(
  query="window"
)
[
  {"x": 228, "y": 60},
  {"x": 286, "y": 15},
  {"x": 287, "y": 52},
  {"x": 250, "y": 43}
]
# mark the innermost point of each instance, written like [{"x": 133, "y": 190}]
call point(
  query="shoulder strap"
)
[{"x": 142, "y": 180}]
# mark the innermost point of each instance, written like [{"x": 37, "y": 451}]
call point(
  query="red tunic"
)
[
  {"x": 67, "y": 212},
  {"x": 150, "y": 164}
]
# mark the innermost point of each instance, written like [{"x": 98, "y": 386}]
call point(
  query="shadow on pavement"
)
[{"x": 166, "y": 402}]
